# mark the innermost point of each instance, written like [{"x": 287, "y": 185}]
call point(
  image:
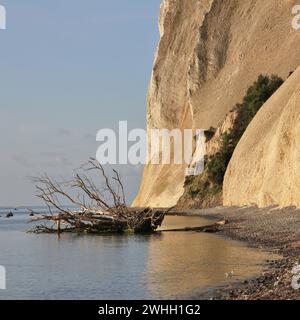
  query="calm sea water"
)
[{"x": 168, "y": 265}]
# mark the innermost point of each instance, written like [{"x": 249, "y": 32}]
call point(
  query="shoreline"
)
[{"x": 273, "y": 229}]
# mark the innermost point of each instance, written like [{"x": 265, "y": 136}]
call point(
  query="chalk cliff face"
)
[
  {"x": 265, "y": 167},
  {"x": 210, "y": 52}
]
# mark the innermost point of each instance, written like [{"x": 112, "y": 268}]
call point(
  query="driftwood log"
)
[
  {"x": 97, "y": 209},
  {"x": 212, "y": 228}
]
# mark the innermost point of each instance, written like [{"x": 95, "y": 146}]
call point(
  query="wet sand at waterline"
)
[{"x": 274, "y": 229}]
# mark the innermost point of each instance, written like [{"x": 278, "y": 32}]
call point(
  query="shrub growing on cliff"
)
[
  {"x": 255, "y": 97},
  {"x": 210, "y": 182},
  {"x": 217, "y": 164}
]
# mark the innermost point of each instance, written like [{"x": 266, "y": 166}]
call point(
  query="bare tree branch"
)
[{"x": 106, "y": 212}]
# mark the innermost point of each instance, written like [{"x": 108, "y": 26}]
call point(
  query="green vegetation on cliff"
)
[{"x": 210, "y": 182}]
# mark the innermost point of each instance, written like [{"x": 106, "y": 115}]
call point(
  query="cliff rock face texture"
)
[
  {"x": 265, "y": 167},
  {"x": 209, "y": 53}
]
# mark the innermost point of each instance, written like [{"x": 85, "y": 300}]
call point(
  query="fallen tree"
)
[{"x": 98, "y": 210}]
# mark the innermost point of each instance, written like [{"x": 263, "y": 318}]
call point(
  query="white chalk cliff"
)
[
  {"x": 265, "y": 167},
  {"x": 210, "y": 52}
]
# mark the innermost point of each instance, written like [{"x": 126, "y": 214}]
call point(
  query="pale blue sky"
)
[{"x": 67, "y": 69}]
